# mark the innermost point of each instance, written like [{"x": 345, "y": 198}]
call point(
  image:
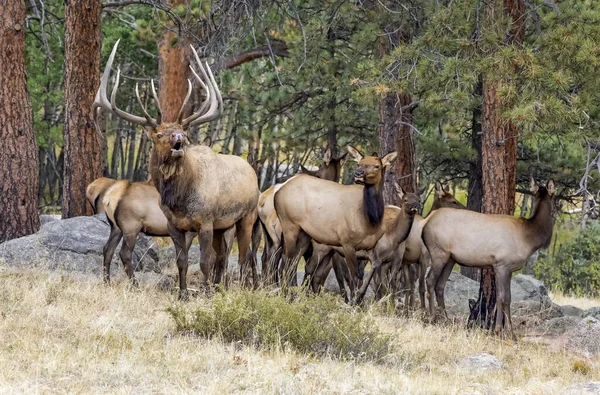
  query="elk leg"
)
[
  {"x": 352, "y": 266},
  {"x": 342, "y": 275},
  {"x": 375, "y": 269},
  {"x": 243, "y": 232},
  {"x": 109, "y": 250},
  {"x": 407, "y": 289},
  {"x": 182, "y": 245},
  {"x": 207, "y": 253},
  {"x": 221, "y": 251},
  {"x": 438, "y": 262},
  {"x": 422, "y": 269},
  {"x": 126, "y": 254},
  {"x": 441, "y": 285},
  {"x": 503, "y": 301}
]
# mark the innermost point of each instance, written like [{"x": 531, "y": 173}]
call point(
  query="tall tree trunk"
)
[
  {"x": 19, "y": 165},
  {"x": 475, "y": 177},
  {"x": 499, "y": 157},
  {"x": 82, "y": 142},
  {"x": 395, "y": 134},
  {"x": 173, "y": 68}
]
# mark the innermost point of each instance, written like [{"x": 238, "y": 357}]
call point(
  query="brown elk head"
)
[
  {"x": 169, "y": 138},
  {"x": 371, "y": 169},
  {"x": 443, "y": 198},
  {"x": 330, "y": 169},
  {"x": 409, "y": 201}
]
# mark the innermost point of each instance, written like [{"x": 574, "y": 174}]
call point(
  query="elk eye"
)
[
  {"x": 376, "y": 167},
  {"x": 159, "y": 135}
]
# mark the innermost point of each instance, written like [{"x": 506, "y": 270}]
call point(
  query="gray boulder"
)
[
  {"x": 592, "y": 312},
  {"x": 45, "y": 218},
  {"x": 584, "y": 337},
  {"x": 556, "y": 326},
  {"x": 481, "y": 362},
  {"x": 524, "y": 287},
  {"x": 593, "y": 387},
  {"x": 74, "y": 244},
  {"x": 459, "y": 289},
  {"x": 572, "y": 311}
]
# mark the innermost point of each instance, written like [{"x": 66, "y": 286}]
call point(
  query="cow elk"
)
[
  {"x": 200, "y": 191},
  {"x": 397, "y": 223},
  {"x": 501, "y": 242},
  {"x": 330, "y": 169},
  {"x": 346, "y": 216}
]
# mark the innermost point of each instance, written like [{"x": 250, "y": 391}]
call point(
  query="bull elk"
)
[
  {"x": 330, "y": 169},
  {"x": 337, "y": 215},
  {"x": 200, "y": 191},
  {"x": 502, "y": 242}
]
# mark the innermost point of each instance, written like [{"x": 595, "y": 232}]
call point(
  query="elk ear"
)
[
  {"x": 439, "y": 189},
  {"x": 399, "y": 190},
  {"x": 354, "y": 152},
  {"x": 342, "y": 159},
  {"x": 533, "y": 186},
  {"x": 447, "y": 188},
  {"x": 387, "y": 160},
  {"x": 327, "y": 156},
  {"x": 551, "y": 187},
  {"x": 250, "y": 158},
  {"x": 207, "y": 141},
  {"x": 148, "y": 130}
]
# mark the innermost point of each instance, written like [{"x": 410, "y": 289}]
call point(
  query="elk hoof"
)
[
  {"x": 183, "y": 295},
  {"x": 134, "y": 282}
]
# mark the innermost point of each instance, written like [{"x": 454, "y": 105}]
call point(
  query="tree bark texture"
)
[
  {"x": 82, "y": 141},
  {"x": 173, "y": 68},
  {"x": 475, "y": 177},
  {"x": 395, "y": 134},
  {"x": 19, "y": 162},
  {"x": 499, "y": 157}
]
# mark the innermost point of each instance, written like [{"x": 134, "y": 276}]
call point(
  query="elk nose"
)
[
  {"x": 177, "y": 136},
  {"x": 359, "y": 173}
]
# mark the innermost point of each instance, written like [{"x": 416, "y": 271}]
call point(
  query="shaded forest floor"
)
[{"x": 70, "y": 333}]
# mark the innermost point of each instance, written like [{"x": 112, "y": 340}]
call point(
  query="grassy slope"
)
[{"x": 72, "y": 334}]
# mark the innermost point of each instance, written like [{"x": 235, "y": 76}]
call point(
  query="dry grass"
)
[
  {"x": 582, "y": 303},
  {"x": 69, "y": 333}
]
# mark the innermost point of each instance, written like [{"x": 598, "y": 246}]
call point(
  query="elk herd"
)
[{"x": 195, "y": 192}]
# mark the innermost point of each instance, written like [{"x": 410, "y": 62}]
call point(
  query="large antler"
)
[
  {"x": 103, "y": 102},
  {"x": 213, "y": 105}
]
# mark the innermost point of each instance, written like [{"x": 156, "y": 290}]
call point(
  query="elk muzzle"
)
[
  {"x": 359, "y": 176},
  {"x": 177, "y": 142}
]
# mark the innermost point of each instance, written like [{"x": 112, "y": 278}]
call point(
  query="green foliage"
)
[
  {"x": 575, "y": 268},
  {"x": 319, "y": 326}
]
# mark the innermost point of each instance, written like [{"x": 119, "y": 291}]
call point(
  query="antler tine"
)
[
  {"x": 122, "y": 114},
  {"x": 156, "y": 102},
  {"x": 102, "y": 101},
  {"x": 216, "y": 101},
  {"x": 204, "y": 105},
  {"x": 187, "y": 97},
  {"x": 213, "y": 100},
  {"x": 144, "y": 109},
  {"x": 207, "y": 88}
]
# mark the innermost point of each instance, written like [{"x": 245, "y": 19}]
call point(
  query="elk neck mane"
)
[
  {"x": 171, "y": 181},
  {"x": 540, "y": 224},
  {"x": 373, "y": 204}
]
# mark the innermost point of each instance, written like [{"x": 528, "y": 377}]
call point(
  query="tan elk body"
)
[
  {"x": 397, "y": 223},
  {"x": 95, "y": 193},
  {"x": 502, "y": 242},
  {"x": 200, "y": 191},
  {"x": 330, "y": 169},
  {"x": 347, "y": 216}
]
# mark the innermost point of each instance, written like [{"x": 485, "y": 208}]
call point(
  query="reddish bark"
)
[
  {"x": 82, "y": 142},
  {"x": 19, "y": 173}
]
